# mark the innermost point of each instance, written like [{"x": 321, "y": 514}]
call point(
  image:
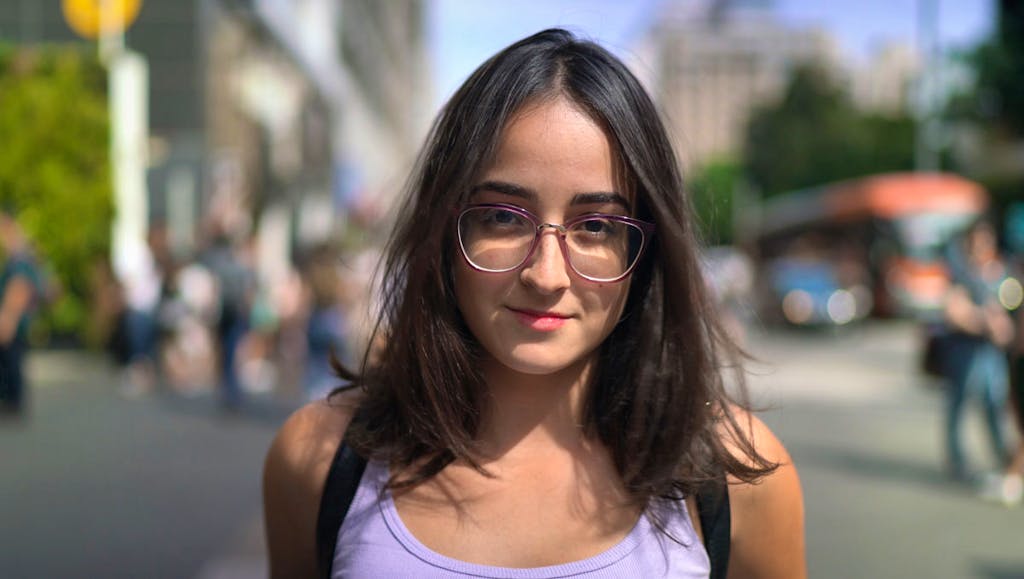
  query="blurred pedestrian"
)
[
  {"x": 106, "y": 306},
  {"x": 549, "y": 396},
  {"x": 975, "y": 351},
  {"x": 236, "y": 281},
  {"x": 19, "y": 290},
  {"x": 326, "y": 335},
  {"x": 1007, "y": 487},
  {"x": 259, "y": 353},
  {"x": 142, "y": 284},
  {"x": 188, "y": 314}
]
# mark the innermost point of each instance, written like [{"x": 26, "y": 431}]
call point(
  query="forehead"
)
[
  {"x": 547, "y": 127},
  {"x": 555, "y": 145}
]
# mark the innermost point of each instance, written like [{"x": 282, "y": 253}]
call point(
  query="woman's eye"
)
[
  {"x": 597, "y": 226},
  {"x": 503, "y": 216}
]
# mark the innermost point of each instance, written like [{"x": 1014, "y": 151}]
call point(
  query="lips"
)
[{"x": 543, "y": 321}]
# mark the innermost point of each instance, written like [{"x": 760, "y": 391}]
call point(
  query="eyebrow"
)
[{"x": 513, "y": 190}]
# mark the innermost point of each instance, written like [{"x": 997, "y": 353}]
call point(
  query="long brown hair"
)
[{"x": 658, "y": 401}]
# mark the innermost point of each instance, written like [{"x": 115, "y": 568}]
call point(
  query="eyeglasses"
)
[{"x": 497, "y": 238}]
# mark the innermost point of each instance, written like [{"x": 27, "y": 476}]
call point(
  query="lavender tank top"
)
[{"x": 374, "y": 543}]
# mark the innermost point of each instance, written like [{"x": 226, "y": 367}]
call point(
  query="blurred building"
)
[
  {"x": 288, "y": 114},
  {"x": 714, "y": 62},
  {"x": 368, "y": 60},
  {"x": 33, "y": 22},
  {"x": 885, "y": 83}
]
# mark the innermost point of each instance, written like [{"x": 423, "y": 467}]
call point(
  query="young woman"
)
[{"x": 549, "y": 399}]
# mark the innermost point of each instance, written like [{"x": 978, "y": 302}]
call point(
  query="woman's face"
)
[{"x": 541, "y": 318}]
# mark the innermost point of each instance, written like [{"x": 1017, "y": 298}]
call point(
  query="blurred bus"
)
[{"x": 881, "y": 238}]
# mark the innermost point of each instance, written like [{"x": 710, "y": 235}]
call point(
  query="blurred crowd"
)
[{"x": 210, "y": 321}]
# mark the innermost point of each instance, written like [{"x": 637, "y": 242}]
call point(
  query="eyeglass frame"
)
[{"x": 646, "y": 229}]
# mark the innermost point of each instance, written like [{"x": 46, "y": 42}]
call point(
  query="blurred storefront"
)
[{"x": 289, "y": 115}]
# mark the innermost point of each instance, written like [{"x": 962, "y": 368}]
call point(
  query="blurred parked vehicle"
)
[
  {"x": 812, "y": 292},
  {"x": 893, "y": 226}
]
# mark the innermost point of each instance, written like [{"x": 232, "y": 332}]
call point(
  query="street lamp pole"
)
[
  {"x": 928, "y": 131},
  {"x": 128, "y": 82}
]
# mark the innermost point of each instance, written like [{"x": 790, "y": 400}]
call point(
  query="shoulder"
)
[
  {"x": 767, "y": 516},
  {"x": 294, "y": 472},
  {"x": 310, "y": 437}
]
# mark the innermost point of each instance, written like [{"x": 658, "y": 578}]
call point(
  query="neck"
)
[{"x": 531, "y": 415}]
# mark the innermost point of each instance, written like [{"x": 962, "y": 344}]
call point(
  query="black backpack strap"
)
[
  {"x": 339, "y": 489},
  {"x": 713, "y": 506}
]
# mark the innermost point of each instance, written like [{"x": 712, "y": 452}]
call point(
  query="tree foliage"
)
[
  {"x": 713, "y": 190},
  {"x": 815, "y": 135},
  {"x": 993, "y": 107},
  {"x": 999, "y": 64},
  {"x": 55, "y": 166}
]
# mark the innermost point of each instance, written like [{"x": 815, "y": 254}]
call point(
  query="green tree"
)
[
  {"x": 999, "y": 64},
  {"x": 815, "y": 135},
  {"x": 713, "y": 188},
  {"x": 55, "y": 166},
  {"x": 994, "y": 107}
]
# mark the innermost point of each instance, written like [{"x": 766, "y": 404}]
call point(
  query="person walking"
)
[
  {"x": 981, "y": 331},
  {"x": 326, "y": 334},
  {"x": 142, "y": 283},
  {"x": 548, "y": 399},
  {"x": 236, "y": 282},
  {"x": 19, "y": 288},
  {"x": 1007, "y": 487}
]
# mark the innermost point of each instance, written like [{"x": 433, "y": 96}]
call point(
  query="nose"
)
[{"x": 547, "y": 271}]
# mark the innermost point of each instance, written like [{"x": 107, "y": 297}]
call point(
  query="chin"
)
[{"x": 540, "y": 361}]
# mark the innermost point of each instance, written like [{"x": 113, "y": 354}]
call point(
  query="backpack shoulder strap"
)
[
  {"x": 713, "y": 507},
  {"x": 339, "y": 489}
]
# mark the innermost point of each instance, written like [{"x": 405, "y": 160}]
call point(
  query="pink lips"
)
[{"x": 540, "y": 321}]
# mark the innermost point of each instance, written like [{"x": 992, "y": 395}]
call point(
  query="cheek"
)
[
  {"x": 611, "y": 299},
  {"x": 473, "y": 290}
]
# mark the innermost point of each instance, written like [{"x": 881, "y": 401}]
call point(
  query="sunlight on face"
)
[{"x": 541, "y": 318}]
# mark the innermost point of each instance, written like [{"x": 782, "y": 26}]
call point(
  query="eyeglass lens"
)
[{"x": 498, "y": 239}]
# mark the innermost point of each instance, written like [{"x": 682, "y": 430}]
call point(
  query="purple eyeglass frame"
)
[{"x": 646, "y": 229}]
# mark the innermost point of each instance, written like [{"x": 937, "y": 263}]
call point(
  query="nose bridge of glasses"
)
[
  {"x": 560, "y": 232},
  {"x": 559, "y": 228},
  {"x": 538, "y": 252}
]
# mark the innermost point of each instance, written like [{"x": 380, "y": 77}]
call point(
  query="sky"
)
[{"x": 463, "y": 33}]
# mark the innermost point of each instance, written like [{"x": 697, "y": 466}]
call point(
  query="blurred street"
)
[
  {"x": 863, "y": 426},
  {"x": 162, "y": 486},
  {"x": 96, "y": 485}
]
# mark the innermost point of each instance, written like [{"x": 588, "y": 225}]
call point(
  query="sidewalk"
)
[
  {"x": 155, "y": 486},
  {"x": 49, "y": 368},
  {"x": 244, "y": 557}
]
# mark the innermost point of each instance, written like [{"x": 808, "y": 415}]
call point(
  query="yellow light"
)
[{"x": 93, "y": 18}]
